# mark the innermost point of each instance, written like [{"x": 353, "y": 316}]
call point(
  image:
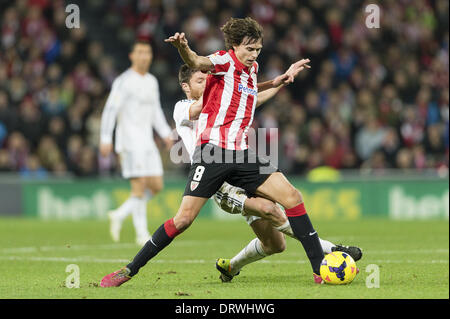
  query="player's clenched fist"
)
[{"x": 178, "y": 40}]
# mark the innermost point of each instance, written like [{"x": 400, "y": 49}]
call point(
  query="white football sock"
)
[
  {"x": 251, "y": 253},
  {"x": 326, "y": 245},
  {"x": 126, "y": 208},
  {"x": 287, "y": 230},
  {"x": 148, "y": 195},
  {"x": 140, "y": 217}
]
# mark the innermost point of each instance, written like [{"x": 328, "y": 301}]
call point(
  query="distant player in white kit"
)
[
  {"x": 134, "y": 105},
  {"x": 267, "y": 220}
]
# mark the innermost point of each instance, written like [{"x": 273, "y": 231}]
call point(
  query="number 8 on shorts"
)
[{"x": 198, "y": 173}]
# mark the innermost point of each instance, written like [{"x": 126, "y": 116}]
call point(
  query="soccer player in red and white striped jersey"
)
[{"x": 228, "y": 107}]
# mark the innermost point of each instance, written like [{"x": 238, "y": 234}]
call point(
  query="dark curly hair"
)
[
  {"x": 235, "y": 30},
  {"x": 185, "y": 73}
]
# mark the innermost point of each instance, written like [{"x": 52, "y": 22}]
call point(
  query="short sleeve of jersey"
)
[
  {"x": 256, "y": 66},
  {"x": 181, "y": 111},
  {"x": 221, "y": 60}
]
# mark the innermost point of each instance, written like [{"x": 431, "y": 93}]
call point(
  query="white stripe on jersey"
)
[
  {"x": 236, "y": 124},
  {"x": 224, "y": 105},
  {"x": 244, "y": 144}
]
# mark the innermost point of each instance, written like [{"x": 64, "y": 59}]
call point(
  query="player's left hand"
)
[
  {"x": 289, "y": 76},
  {"x": 295, "y": 69},
  {"x": 178, "y": 40}
]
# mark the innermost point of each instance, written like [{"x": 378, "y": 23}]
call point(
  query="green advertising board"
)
[
  {"x": 92, "y": 199},
  {"x": 401, "y": 200},
  {"x": 343, "y": 200}
]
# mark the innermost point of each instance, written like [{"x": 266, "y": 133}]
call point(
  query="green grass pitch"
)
[{"x": 412, "y": 256}]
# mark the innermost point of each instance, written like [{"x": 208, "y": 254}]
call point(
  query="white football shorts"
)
[{"x": 141, "y": 163}]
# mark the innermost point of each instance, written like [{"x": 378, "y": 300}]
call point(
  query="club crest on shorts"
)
[{"x": 193, "y": 186}]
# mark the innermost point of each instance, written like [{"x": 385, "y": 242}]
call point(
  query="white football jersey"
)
[
  {"x": 135, "y": 105},
  {"x": 185, "y": 127}
]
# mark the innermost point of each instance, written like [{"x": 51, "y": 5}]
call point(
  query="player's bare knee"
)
[
  {"x": 182, "y": 222},
  {"x": 293, "y": 198},
  {"x": 156, "y": 189},
  {"x": 137, "y": 192}
]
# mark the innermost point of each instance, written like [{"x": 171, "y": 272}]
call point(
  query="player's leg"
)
[
  {"x": 264, "y": 208},
  {"x": 147, "y": 167},
  {"x": 154, "y": 184},
  {"x": 203, "y": 181},
  {"x": 233, "y": 200},
  {"x": 269, "y": 241},
  {"x": 162, "y": 237},
  {"x": 133, "y": 202},
  {"x": 144, "y": 188},
  {"x": 118, "y": 215},
  {"x": 139, "y": 213},
  {"x": 278, "y": 189}
]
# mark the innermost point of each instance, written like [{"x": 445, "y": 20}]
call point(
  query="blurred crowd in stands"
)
[{"x": 373, "y": 99}]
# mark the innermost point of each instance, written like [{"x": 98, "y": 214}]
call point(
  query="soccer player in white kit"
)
[
  {"x": 134, "y": 106},
  {"x": 267, "y": 219}
]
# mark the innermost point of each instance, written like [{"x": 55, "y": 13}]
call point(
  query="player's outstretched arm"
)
[
  {"x": 267, "y": 95},
  {"x": 285, "y": 78},
  {"x": 194, "y": 61}
]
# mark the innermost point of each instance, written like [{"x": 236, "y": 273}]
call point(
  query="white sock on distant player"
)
[
  {"x": 148, "y": 195},
  {"x": 140, "y": 218},
  {"x": 126, "y": 208},
  {"x": 287, "y": 230},
  {"x": 251, "y": 253}
]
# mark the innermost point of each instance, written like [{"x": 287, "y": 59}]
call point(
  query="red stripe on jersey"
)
[
  {"x": 211, "y": 104},
  {"x": 222, "y": 68},
  {"x": 247, "y": 115},
  {"x": 231, "y": 111}
]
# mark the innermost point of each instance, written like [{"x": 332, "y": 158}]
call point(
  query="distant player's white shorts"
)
[{"x": 141, "y": 163}]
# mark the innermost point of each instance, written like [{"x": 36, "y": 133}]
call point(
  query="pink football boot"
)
[
  {"x": 318, "y": 279},
  {"x": 116, "y": 278}
]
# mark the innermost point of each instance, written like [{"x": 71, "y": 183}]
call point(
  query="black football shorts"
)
[{"x": 212, "y": 166}]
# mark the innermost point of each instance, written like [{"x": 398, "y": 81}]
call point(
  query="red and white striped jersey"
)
[{"x": 229, "y": 102}]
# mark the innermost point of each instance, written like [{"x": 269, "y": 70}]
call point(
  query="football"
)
[{"x": 338, "y": 268}]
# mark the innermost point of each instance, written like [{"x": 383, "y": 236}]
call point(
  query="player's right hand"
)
[
  {"x": 105, "y": 149},
  {"x": 178, "y": 40}
]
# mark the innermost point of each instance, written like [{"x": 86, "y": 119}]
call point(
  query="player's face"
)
[
  {"x": 197, "y": 84},
  {"x": 141, "y": 56},
  {"x": 247, "y": 52}
]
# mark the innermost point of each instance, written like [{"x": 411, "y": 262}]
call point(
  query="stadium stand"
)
[{"x": 374, "y": 98}]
